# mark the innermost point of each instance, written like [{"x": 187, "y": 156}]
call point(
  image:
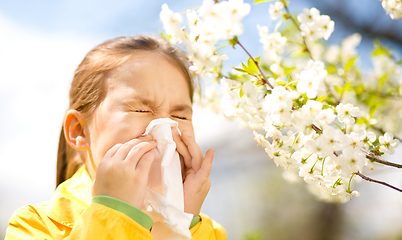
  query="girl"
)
[{"x": 119, "y": 87}]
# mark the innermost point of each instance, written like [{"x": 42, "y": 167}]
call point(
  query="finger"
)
[
  {"x": 126, "y": 147},
  {"x": 145, "y": 162},
  {"x": 206, "y": 164},
  {"x": 137, "y": 152},
  {"x": 93, "y": 189},
  {"x": 112, "y": 151},
  {"x": 181, "y": 147},
  {"x": 194, "y": 150}
]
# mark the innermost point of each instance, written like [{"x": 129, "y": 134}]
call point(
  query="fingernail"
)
[
  {"x": 147, "y": 136},
  {"x": 175, "y": 131}
]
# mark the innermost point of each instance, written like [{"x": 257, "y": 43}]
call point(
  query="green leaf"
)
[
  {"x": 372, "y": 100},
  {"x": 325, "y": 106},
  {"x": 239, "y": 69},
  {"x": 283, "y": 83},
  {"x": 331, "y": 69},
  {"x": 362, "y": 120},
  {"x": 252, "y": 66},
  {"x": 233, "y": 41},
  {"x": 382, "y": 80},
  {"x": 372, "y": 110},
  {"x": 260, "y": 1},
  {"x": 320, "y": 99},
  {"x": 350, "y": 63},
  {"x": 234, "y": 76},
  {"x": 288, "y": 70},
  {"x": 347, "y": 86},
  {"x": 339, "y": 90},
  {"x": 241, "y": 92},
  {"x": 246, "y": 68},
  {"x": 359, "y": 89},
  {"x": 379, "y": 49}
]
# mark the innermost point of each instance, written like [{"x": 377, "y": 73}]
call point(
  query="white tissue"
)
[{"x": 164, "y": 200}]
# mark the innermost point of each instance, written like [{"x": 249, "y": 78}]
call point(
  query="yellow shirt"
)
[{"x": 71, "y": 215}]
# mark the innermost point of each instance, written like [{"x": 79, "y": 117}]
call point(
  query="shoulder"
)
[
  {"x": 29, "y": 212},
  {"x": 28, "y": 222}
]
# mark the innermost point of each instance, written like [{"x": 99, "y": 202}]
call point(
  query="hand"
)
[
  {"x": 196, "y": 180},
  {"x": 123, "y": 171}
]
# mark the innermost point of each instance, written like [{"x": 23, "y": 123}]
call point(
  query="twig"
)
[
  {"x": 297, "y": 26},
  {"x": 380, "y": 160},
  {"x": 376, "y": 181},
  {"x": 257, "y": 64},
  {"x": 383, "y": 132},
  {"x": 316, "y": 129},
  {"x": 369, "y": 155}
]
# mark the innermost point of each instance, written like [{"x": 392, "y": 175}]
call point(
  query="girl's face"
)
[{"x": 147, "y": 86}]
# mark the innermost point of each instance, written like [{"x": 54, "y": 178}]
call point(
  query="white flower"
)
[
  {"x": 355, "y": 140},
  {"x": 333, "y": 138},
  {"x": 311, "y": 109},
  {"x": 325, "y": 25},
  {"x": 311, "y": 79},
  {"x": 273, "y": 44},
  {"x": 388, "y": 143},
  {"x": 315, "y": 26},
  {"x": 348, "y": 47},
  {"x": 211, "y": 23},
  {"x": 326, "y": 116},
  {"x": 333, "y": 166},
  {"x": 308, "y": 84},
  {"x": 301, "y": 122},
  {"x": 346, "y": 112},
  {"x": 308, "y": 15},
  {"x": 318, "y": 147},
  {"x": 280, "y": 97},
  {"x": 393, "y": 8},
  {"x": 275, "y": 10},
  {"x": 260, "y": 139},
  {"x": 368, "y": 138},
  {"x": 332, "y": 54},
  {"x": 353, "y": 159},
  {"x": 171, "y": 21}
]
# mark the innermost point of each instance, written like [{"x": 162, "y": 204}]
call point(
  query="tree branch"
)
[
  {"x": 369, "y": 155},
  {"x": 376, "y": 181},
  {"x": 380, "y": 160},
  {"x": 297, "y": 26},
  {"x": 258, "y": 66}
]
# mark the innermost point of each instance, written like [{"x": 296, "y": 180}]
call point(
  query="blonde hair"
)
[{"x": 87, "y": 87}]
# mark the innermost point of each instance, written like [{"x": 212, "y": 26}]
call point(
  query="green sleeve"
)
[
  {"x": 136, "y": 214},
  {"x": 196, "y": 219}
]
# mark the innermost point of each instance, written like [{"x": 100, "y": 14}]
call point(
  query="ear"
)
[{"x": 74, "y": 130}]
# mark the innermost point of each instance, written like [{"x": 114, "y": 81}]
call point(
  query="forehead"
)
[{"x": 148, "y": 73}]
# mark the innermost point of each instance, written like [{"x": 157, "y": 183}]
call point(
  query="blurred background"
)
[{"x": 43, "y": 41}]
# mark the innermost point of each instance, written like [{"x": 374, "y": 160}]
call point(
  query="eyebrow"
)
[{"x": 182, "y": 108}]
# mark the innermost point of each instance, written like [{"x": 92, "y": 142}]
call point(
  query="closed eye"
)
[
  {"x": 141, "y": 111},
  {"x": 180, "y": 117}
]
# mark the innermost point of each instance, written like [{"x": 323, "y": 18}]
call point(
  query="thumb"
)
[{"x": 93, "y": 189}]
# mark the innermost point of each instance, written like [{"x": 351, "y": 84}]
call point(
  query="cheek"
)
[{"x": 113, "y": 129}]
